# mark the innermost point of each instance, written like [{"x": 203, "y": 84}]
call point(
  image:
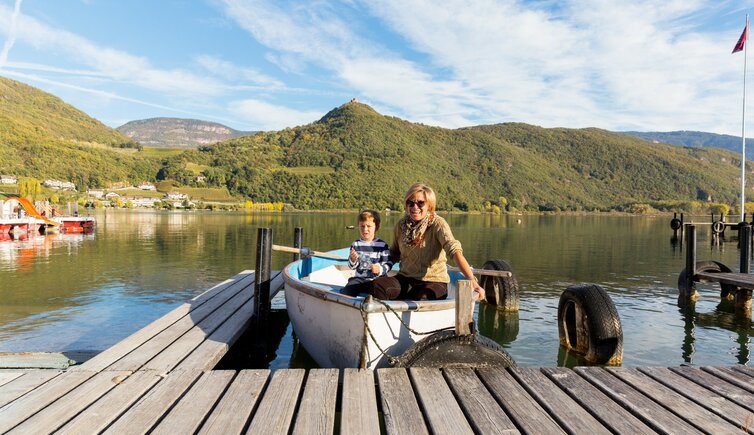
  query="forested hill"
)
[
  {"x": 178, "y": 132},
  {"x": 43, "y": 137},
  {"x": 355, "y": 157},
  {"x": 697, "y": 139}
]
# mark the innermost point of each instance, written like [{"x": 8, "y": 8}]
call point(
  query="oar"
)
[
  {"x": 488, "y": 272},
  {"x": 307, "y": 252}
]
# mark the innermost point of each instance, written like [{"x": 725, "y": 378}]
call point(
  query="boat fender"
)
[
  {"x": 718, "y": 227},
  {"x": 445, "y": 349},
  {"x": 675, "y": 224},
  {"x": 588, "y": 324},
  {"x": 726, "y": 290},
  {"x": 500, "y": 291}
]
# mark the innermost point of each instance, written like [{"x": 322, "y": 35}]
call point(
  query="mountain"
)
[
  {"x": 697, "y": 139},
  {"x": 355, "y": 157},
  {"x": 178, "y": 133},
  {"x": 43, "y": 137}
]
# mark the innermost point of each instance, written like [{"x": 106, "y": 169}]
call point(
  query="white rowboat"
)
[{"x": 335, "y": 328}]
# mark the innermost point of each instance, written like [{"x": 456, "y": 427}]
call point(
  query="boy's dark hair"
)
[{"x": 370, "y": 214}]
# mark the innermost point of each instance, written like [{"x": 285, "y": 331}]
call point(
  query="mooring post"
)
[
  {"x": 465, "y": 308},
  {"x": 298, "y": 241},
  {"x": 690, "y": 292},
  {"x": 262, "y": 275},
  {"x": 744, "y": 240}
]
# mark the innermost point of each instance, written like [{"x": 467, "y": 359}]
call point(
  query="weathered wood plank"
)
[
  {"x": 483, "y": 411},
  {"x": 212, "y": 350},
  {"x": 566, "y": 411},
  {"x": 399, "y": 407},
  {"x": 676, "y": 402},
  {"x": 127, "y": 345},
  {"x": 719, "y": 386},
  {"x": 316, "y": 413},
  {"x": 596, "y": 402},
  {"x": 21, "y": 385},
  {"x": 642, "y": 406},
  {"x": 24, "y": 407},
  {"x": 522, "y": 407},
  {"x": 188, "y": 414},
  {"x": 235, "y": 407},
  {"x": 744, "y": 280},
  {"x": 748, "y": 371},
  {"x": 9, "y": 375},
  {"x": 145, "y": 413},
  {"x": 359, "y": 403},
  {"x": 159, "y": 342},
  {"x": 275, "y": 412},
  {"x": 168, "y": 358},
  {"x": 442, "y": 412},
  {"x": 59, "y": 412},
  {"x": 109, "y": 407},
  {"x": 716, "y": 403},
  {"x": 734, "y": 377}
]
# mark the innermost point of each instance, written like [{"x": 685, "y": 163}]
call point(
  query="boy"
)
[{"x": 370, "y": 256}]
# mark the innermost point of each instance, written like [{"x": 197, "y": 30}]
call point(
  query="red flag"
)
[{"x": 742, "y": 40}]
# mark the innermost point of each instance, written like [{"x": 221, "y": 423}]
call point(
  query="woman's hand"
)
[
  {"x": 479, "y": 291},
  {"x": 376, "y": 269}
]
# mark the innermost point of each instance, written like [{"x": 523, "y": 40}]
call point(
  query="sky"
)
[{"x": 646, "y": 65}]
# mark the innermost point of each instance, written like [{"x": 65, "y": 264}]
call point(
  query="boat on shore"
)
[
  {"x": 342, "y": 331},
  {"x": 19, "y": 217}
]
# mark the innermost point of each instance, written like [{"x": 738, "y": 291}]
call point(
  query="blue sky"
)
[{"x": 266, "y": 65}]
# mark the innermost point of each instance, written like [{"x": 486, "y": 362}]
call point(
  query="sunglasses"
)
[{"x": 411, "y": 203}]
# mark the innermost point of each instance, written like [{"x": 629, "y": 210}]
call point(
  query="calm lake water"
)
[{"x": 86, "y": 292}]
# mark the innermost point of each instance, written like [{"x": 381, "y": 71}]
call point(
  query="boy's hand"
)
[
  {"x": 352, "y": 256},
  {"x": 376, "y": 269}
]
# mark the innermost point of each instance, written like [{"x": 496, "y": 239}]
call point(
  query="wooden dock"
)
[{"x": 161, "y": 380}]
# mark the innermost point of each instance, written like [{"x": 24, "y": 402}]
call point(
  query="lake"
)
[{"x": 83, "y": 293}]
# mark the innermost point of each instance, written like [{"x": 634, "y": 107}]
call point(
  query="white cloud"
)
[
  {"x": 260, "y": 115},
  {"x": 645, "y": 64}
]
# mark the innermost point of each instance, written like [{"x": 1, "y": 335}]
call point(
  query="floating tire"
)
[
  {"x": 675, "y": 224},
  {"x": 588, "y": 324},
  {"x": 718, "y": 227},
  {"x": 709, "y": 266},
  {"x": 500, "y": 291},
  {"x": 445, "y": 349}
]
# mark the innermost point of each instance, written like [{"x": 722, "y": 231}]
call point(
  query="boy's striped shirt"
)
[{"x": 377, "y": 251}]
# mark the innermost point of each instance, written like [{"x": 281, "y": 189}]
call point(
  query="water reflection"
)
[{"x": 724, "y": 316}]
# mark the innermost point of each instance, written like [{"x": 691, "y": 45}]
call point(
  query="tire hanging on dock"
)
[
  {"x": 707, "y": 266},
  {"x": 675, "y": 224},
  {"x": 500, "y": 291},
  {"x": 445, "y": 349},
  {"x": 588, "y": 324}
]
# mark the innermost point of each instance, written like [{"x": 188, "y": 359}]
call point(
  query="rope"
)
[{"x": 392, "y": 360}]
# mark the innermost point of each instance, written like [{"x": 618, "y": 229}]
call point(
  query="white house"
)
[
  {"x": 60, "y": 185},
  {"x": 177, "y": 196},
  {"x": 146, "y": 186},
  {"x": 8, "y": 179},
  {"x": 95, "y": 193}
]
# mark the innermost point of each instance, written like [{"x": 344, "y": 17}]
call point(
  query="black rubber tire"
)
[
  {"x": 675, "y": 224},
  {"x": 445, "y": 349},
  {"x": 708, "y": 266},
  {"x": 602, "y": 338},
  {"x": 505, "y": 287},
  {"x": 718, "y": 227}
]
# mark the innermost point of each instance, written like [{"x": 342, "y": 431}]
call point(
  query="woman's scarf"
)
[{"x": 413, "y": 232}]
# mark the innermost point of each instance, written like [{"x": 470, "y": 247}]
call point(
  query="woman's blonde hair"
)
[{"x": 429, "y": 195}]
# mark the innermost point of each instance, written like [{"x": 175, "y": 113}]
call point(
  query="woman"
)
[{"x": 422, "y": 242}]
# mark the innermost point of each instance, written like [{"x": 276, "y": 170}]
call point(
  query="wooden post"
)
[
  {"x": 298, "y": 241},
  {"x": 465, "y": 308},
  {"x": 689, "y": 288},
  {"x": 744, "y": 240},
  {"x": 262, "y": 275}
]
